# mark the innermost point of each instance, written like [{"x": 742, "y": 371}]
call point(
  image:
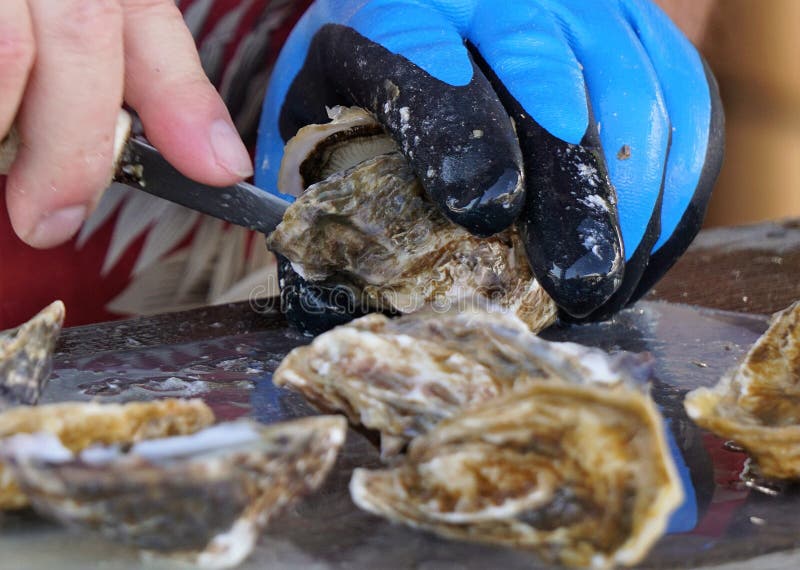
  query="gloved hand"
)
[{"x": 615, "y": 137}]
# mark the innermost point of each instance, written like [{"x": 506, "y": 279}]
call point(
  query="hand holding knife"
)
[{"x": 141, "y": 166}]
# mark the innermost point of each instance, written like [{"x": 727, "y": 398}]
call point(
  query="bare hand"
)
[{"x": 65, "y": 67}]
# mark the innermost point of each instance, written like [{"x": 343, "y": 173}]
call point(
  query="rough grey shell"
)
[
  {"x": 26, "y": 355},
  {"x": 372, "y": 227},
  {"x": 758, "y": 403},
  {"x": 202, "y": 498},
  {"x": 581, "y": 474},
  {"x": 402, "y": 376}
]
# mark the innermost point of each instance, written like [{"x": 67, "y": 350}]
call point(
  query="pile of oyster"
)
[
  {"x": 363, "y": 221},
  {"x": 155, "y": 475},
  {"x": 757, "y": 404},
  {"x": 495, "y": 435},
  {"x": 490, "y": 433}
]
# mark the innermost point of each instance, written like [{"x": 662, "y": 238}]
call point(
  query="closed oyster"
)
[
  {"x": 758, "y": 404},
  {"x": 78, "y": 425},
  {"x": 202, "y": 498},
  {"x": 402, "y": 376},
  {"x": 372, "y": 228},
  {"x": 26, "y": 355},
  {"x": 579, "y": 473}
]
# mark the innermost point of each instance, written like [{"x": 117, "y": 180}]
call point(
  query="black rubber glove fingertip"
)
[
  {"x": 579, "y": 274},
  {"x": 495, "y": 209}
]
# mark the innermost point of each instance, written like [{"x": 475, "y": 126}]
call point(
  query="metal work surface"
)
[{"x": 229, "y": 365}]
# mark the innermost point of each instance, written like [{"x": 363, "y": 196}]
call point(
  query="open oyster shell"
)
[
  {"x": 579, "y": 473},
  {"x": 371, "y": 227},
  {"x": 26, "y": 354},
  {"x": 402, "y": 376},
  {"x": 758, "y": 404},
  {"x": 78, "y": 425},
  {"x": 201, "y": 498}
]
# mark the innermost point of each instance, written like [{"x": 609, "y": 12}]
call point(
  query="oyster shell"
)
[
  {"x": 372, "y": 228},
  {"x": 26, "y": 354},
  {"x": 317, "y": 151},
  {"x": 202, "y": 498},
  {"x": 758, "y": 404},
  {"x": 78, "y": 425},
  {"x": 579, "y": 473},
  {"x": 403, "y": 376}
]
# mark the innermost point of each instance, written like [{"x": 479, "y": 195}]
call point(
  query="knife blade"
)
[{"x": 140, "y": 166}]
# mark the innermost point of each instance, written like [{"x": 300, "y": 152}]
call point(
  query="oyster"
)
[
  {"x": 371, "y": 227},
  {"x": 318, "y": 151},
  {"x": 26, "y": 354},
  {"x": 403, "y": 376},
  {"x": 579, "y": 473},
  {"x": 758, "y": 404},
  {"x": 78, "y": 425},
  {"x": 201, "y": 498}
]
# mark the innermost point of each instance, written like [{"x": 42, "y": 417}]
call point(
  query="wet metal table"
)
[{"x": 226, "y": 355}]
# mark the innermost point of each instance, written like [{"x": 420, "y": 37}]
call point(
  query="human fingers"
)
[
  {"x": 182, "y": 113},
  {"x": 67, "y": 118}
]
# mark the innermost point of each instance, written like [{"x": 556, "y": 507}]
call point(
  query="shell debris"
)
[
  {"x": 757, "y": 404},
  {"x": 26, "y": 355}
]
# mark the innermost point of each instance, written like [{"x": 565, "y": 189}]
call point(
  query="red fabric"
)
[
  {"x": 30, "y": 278},
  {"x": 247, "y": 23},
  {"x": 217, "y": 11}
]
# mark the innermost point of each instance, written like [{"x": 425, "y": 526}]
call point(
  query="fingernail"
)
[
  {"x": 229, "y": 150},
  {"x": 58, "y": 227}
]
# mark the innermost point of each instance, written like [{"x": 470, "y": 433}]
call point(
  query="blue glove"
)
[{"x": 608, "y": 162}]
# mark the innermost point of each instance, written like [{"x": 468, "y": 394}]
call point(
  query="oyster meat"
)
[
  {"x": 366, "y": 222},
  {"x": 201, "y": 498},
  {"x": 758, "y": 404},
  {"x": 581, "y": 474},
  {"x": 402, "y": 376},
  {"x": 26, "y": 355},
  {"x": 78, "y": 425}
]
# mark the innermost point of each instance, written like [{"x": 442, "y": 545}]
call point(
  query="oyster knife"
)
[{"x": 141, "y": 166}]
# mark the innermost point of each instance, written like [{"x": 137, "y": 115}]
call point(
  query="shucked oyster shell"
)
[
  {"x": 402, "y": 376},
  {"x": 78, "y": 425},
  {"x": 372, "y": 227},
  {"x": 26, "y": 355},
  {"x": 579, "y": 473},
  {"x": 758, "y": 404},
  {"x": 202, "y": 498}
]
